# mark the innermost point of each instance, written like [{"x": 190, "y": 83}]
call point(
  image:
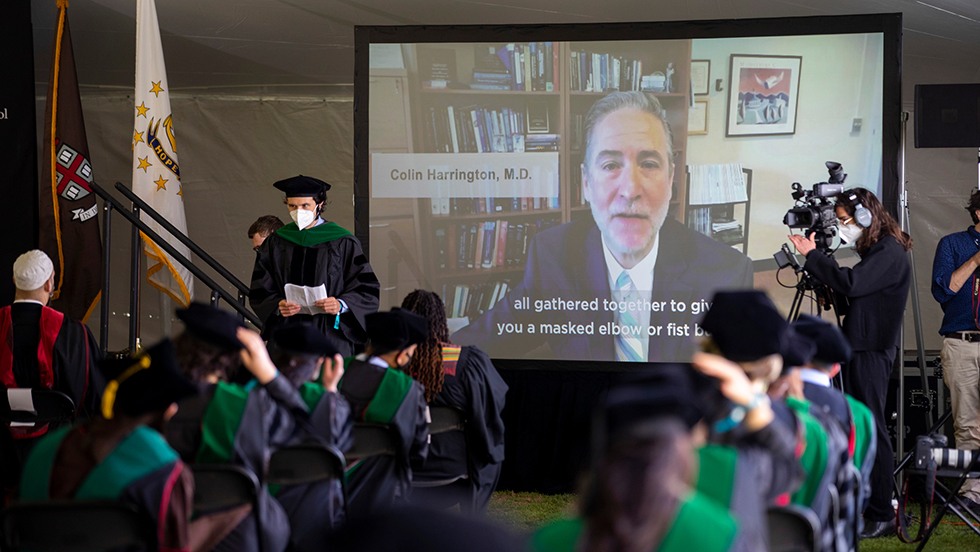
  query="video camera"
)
[{"x": 814, "y": 210}]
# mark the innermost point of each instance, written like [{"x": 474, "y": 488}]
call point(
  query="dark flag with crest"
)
[{"x": 68, "y": 213}]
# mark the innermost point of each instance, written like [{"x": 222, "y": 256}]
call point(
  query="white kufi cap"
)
[{"x": 32, "y": 269}]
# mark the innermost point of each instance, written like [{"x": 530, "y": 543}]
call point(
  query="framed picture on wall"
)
[
  {"x": 697, "y": 118},
  {"x": 763, "y": 95},
  {"x": 700, "y": 76}
]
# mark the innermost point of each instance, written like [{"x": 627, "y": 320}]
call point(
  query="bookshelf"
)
[
  {"x": 530, "y": 97},
  {"x": 718, "y": 201}
]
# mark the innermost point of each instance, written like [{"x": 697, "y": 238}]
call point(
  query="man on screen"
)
[{"x": 629, "y": 283}]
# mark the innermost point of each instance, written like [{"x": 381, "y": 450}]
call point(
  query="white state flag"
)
[{"x": 156, "y": 173}]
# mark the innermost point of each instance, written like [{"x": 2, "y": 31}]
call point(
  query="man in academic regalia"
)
[
  {"x": 122, "y": 456},
  {"x": 379, "y": 393},
  {"x": 44, "y": 349},
  {"x": 310, "y": 252},
  {"x": 300, "y": 352}
]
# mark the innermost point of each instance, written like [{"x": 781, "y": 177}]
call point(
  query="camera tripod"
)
[{"x": 821, "y": 296}]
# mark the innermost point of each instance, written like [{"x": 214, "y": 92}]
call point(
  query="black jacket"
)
[{"x": 876, "y": 290}]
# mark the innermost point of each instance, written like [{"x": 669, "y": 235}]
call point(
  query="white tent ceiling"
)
[{"x": 261, "y": 43}]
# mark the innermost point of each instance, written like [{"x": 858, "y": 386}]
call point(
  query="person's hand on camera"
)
[{"x": 804, "y": 244}]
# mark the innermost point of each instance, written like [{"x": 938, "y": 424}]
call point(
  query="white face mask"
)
[
  {"x": 850, "y": 233},
  {"x": 302, "y": 217}
]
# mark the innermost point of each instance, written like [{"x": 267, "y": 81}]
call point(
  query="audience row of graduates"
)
[
  {"x": 694, "y": 459},
  {"x": 684, "y": 458},
  {"x": 217, "y": 394}
]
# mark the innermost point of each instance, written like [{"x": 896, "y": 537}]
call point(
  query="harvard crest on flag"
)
[
  {"x": 156, "y": 172},
  {"x": 68, "y": 213}
]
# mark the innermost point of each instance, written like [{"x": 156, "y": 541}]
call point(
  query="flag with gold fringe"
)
[
  {"x": 156, "y": 172},
  {"x": 68, "y": 214}
]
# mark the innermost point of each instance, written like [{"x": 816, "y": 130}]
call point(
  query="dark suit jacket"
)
[{"x": 567, "y": 262}]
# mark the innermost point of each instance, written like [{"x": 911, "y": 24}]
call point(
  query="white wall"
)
[{"x": 825, "y": 115}]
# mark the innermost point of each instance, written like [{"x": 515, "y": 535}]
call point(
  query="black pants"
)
[{"x": 866, "y": 379}]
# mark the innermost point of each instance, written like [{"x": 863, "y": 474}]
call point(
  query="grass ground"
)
[{"x": 524, "y": 512}]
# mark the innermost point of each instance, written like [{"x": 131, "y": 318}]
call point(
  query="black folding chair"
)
[
  {"x": 74, "y": 526},
  {"x": 792, "y": 529},
  {"x": 305, "y": 463},
  {"x": 31, "y": 409},
  {"x": 456, "y": 490},
  {"x": 372, "y": 440},
  {"x": 219, "y": 487},
  {"x": 445, "y": 418}
]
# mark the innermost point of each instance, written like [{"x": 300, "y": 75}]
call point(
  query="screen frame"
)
[{"x": 888, "y": 24}]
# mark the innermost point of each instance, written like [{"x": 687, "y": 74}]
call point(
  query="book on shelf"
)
[
  {"x": 486, "y": 244},
  {"x": 602, "y": 72},
  {"x": 437, "y": 65}
]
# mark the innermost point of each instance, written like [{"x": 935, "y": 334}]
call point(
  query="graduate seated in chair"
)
[
  {"x": 311, "y": 363},
  {"x": 751, "y": 459},
  {"x": 122, "y": 456},
  {"x": 461, "y": 377},
  {"x": 854, "y": 418},
  {"x": 42, "y": 348},
  {"x": 822, "y": 446},
  {"x": 379, "y": 393},
  {"x": 639, "y": 495},
  {"x": 231, "y": 423}
]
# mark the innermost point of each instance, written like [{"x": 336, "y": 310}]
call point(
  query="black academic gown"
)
[
  {"x": 378, "y": 482},
  {"x": 338, "y": 263},
  {"x": 75, "y": 357},
  {"x": 316, "y": 509},
  {"x": 268, "y": 422},
  {"x": 473, "y": 386}
]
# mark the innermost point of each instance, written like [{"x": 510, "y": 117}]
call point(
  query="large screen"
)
[{"x": 579, "y": 192}]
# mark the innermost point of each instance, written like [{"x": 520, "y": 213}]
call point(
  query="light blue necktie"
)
[{"x": 629, "y": 344}]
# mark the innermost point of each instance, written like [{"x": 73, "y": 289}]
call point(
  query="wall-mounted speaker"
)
[{"x": 947, "y": 115}]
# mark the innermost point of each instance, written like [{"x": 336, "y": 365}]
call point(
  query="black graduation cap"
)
[
  {"x": 829, "y": 342},
  {"x": 667, "y": 391},
  {"x": 149, "y": 382},
  {"x": 797, "y": 350},
  {"x": 303, "y": 338},
  {"x": 302, "y": 186},
  {"x": 212, "y": 325},
  {"x": 396, "y": 329},
  {"x": 745, "y": 325}
]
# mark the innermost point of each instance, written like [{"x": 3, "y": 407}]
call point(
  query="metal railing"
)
[{"x": 132, "y": 214}]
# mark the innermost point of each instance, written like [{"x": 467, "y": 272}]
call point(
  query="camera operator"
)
[
  {"x": 874, "y": 291},
  {"x": 956, "y": 286}
]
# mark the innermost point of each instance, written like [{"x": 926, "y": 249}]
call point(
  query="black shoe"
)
[
  {"x": 876, "y": 529},
  {"x": 971, "y": 505}
]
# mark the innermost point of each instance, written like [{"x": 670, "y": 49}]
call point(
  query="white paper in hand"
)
[{"x": 305, "y": 296}]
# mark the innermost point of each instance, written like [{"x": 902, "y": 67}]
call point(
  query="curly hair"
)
[
  {"x": 882, "y": 222},
  {"x": 974, "y": 206},
  {"x": 200, "y": 361},
  {"x": 426, "y": 364}
]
